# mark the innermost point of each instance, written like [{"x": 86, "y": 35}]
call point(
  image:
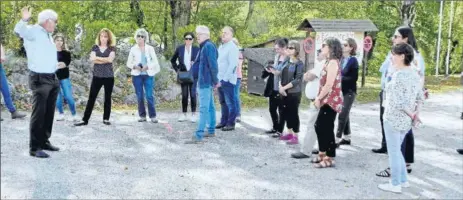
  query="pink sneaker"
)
[
  {"x": 286, "y": 136},
  {"x": 293, "y": 140}
]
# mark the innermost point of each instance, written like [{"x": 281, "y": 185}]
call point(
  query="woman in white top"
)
[
  {"x": 144, "y": 64},
  {"x": 402, "y": 102}
]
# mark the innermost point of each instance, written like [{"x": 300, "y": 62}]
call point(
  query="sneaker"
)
[
  {"x": 142, "y": 119},
  {"x": 154, "y": 120},
  {"x": 193, "y": 118},
  {"x": 60, "y": 117},
  {"x": 193, "y": 140},
  {"x": 286, "y": 136},
  {"x": 238, "y": 119},
  {"x": 75, "y": 118},
  {"x": 405, "y": 185},
  {"x": 390, "y": 188},
  {"x": 17, "y": 115},
  {"x": 182, "y": 117},
  {"x": 293, "y": 140}
]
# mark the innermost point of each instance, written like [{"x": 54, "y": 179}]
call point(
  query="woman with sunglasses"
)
[
  {"x": 349, "y": 75},
  {"x": 403, "y": 35},
  {"x": 182, "y": 61},
  {"x": 402, "y": 102},
  {"x": 144, "y": 64},
  {"x": 64, "y": 59},
  {"x": 102, "y": 56},
  {"x": 290, "y": 90},
  {"x": 330, "y": 101}
]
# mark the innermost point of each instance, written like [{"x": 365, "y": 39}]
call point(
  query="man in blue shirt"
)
[
  {"x": 228, "y": 62},
  {"x": 206, "y": 65},
  {"x": 42, "y": 62}
]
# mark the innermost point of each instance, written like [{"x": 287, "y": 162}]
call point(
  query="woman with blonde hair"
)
[
  {"x": 64, "y": 59},
  {"x": 144, "y": 64},
  {"x": 102, "y": 56}
]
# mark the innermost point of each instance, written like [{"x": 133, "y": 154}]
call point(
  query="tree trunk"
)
[
  {"x": 164, "y": 39},
  {"x": 408, "y": 12},
  {"x": 250, "y": 12},
  {"x": 137, "y": 13},
  {"x": 180, "y": 14}
]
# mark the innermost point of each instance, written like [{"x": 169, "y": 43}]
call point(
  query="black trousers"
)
[
  {"x": 343, "y": 118},
  {"x": 408, "y": 145},
  {"x": 290, "y": 111},
  {"x": 97, "y": 83},
  {"x": 324, "y": 127},
  {"x": 45, "y": 89},
  {"x": 275, "y": 109},
  {"x": 188, "y": 89}
]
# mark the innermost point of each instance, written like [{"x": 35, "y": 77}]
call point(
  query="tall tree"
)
[
  {"x": 180, "y": 14},
  {"x": 137, "y": 12},
  {"x": 250, "y": 12},
  {"x": 407, "y": 12}
]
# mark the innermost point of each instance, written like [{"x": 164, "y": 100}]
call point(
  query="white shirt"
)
[
  {"x": 312, "y": 87},
  {"x": 151, "y": 58},
  {"x": 187, "y": 58}
]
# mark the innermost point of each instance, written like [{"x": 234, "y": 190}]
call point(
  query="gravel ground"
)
[{"x": 143, "y": 160}]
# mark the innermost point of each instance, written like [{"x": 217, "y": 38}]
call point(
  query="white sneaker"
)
[
  {"x": 390, "y": 188},
  {"x": 60, "y": 117},
  {"x": 75, "y": 118},
  {"x": 154, "y": 120},
  {"x": 182, "y": 118},
  {"x": 405, "y": 185},
  {"x": 193, "y": 119}
]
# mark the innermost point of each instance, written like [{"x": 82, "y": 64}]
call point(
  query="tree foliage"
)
[{"x": 268, "y": 19}]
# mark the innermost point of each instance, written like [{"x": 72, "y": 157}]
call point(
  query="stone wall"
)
[{"x": 166, "y": 88}]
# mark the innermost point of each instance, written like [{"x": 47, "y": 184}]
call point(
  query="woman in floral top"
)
[
  {"x": 402, "y": 103},
  {"x": 329, "y": 101}
]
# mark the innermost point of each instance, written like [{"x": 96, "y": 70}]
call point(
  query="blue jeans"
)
[
  {"x": 206, "y": 112},
  {"x": 6, "y": 91},
  {"x": 237, "y": 95},
  {"x": 227, "y": 102},
  {"x": 66, "y": 93},
  {"x": 394, "y": 139},
  {"x": 144, "y": 85}
]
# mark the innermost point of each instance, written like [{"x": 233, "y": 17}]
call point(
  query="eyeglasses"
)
[
  {"x": 188, "y": 38},
  {"x": 141, "y": 36},
  {"x": 291, "y": 48}
]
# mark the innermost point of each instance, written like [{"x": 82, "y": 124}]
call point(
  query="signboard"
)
[
  {"x": 341, "y": 36},
  {"x": 308, "y": 45}
]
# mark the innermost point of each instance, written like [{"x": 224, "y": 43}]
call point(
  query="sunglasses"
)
[
  {"x": 188, "y": 38},
  {"x": 346, "y": 45},
  {"x": 397, "y": 36},
  {"x": 324, "y": 45},
  {"x": 291, "y": 48},
  {"x": 140, "y": 36}
]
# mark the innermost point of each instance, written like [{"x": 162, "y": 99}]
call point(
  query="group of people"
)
[
  {"x": 205, "y": 70},
  {"x": 332, "y": 88}
]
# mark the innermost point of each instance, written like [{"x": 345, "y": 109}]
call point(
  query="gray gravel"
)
[{"x": 144, "y": 160}]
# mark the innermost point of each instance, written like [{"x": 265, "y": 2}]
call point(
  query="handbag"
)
[{"x": 184, "y": 77}]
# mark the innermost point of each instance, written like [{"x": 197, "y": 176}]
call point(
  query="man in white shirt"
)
[
  {"x": 309, "y": 137},
  {"x": 42, "y": 61}
]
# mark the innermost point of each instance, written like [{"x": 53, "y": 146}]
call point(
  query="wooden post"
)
[{"x": 364, "y": 67}]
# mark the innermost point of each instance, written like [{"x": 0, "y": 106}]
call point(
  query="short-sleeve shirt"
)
[{"x": 103, "y": 70}]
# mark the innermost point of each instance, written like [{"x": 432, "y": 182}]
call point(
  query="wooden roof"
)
[
  {"x": 259, "y": 55},
  {"x": 337, "y": 25}
]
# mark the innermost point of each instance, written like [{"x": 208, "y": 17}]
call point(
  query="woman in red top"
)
[{"x": 329, "y": 101}]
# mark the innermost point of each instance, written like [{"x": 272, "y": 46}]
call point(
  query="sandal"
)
[
  {"x": 327, "y": 162},
  {"x": 385, "y": 173},
  {"x": 319, "y": 158},
  {"x": 409, "y": 169}
]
